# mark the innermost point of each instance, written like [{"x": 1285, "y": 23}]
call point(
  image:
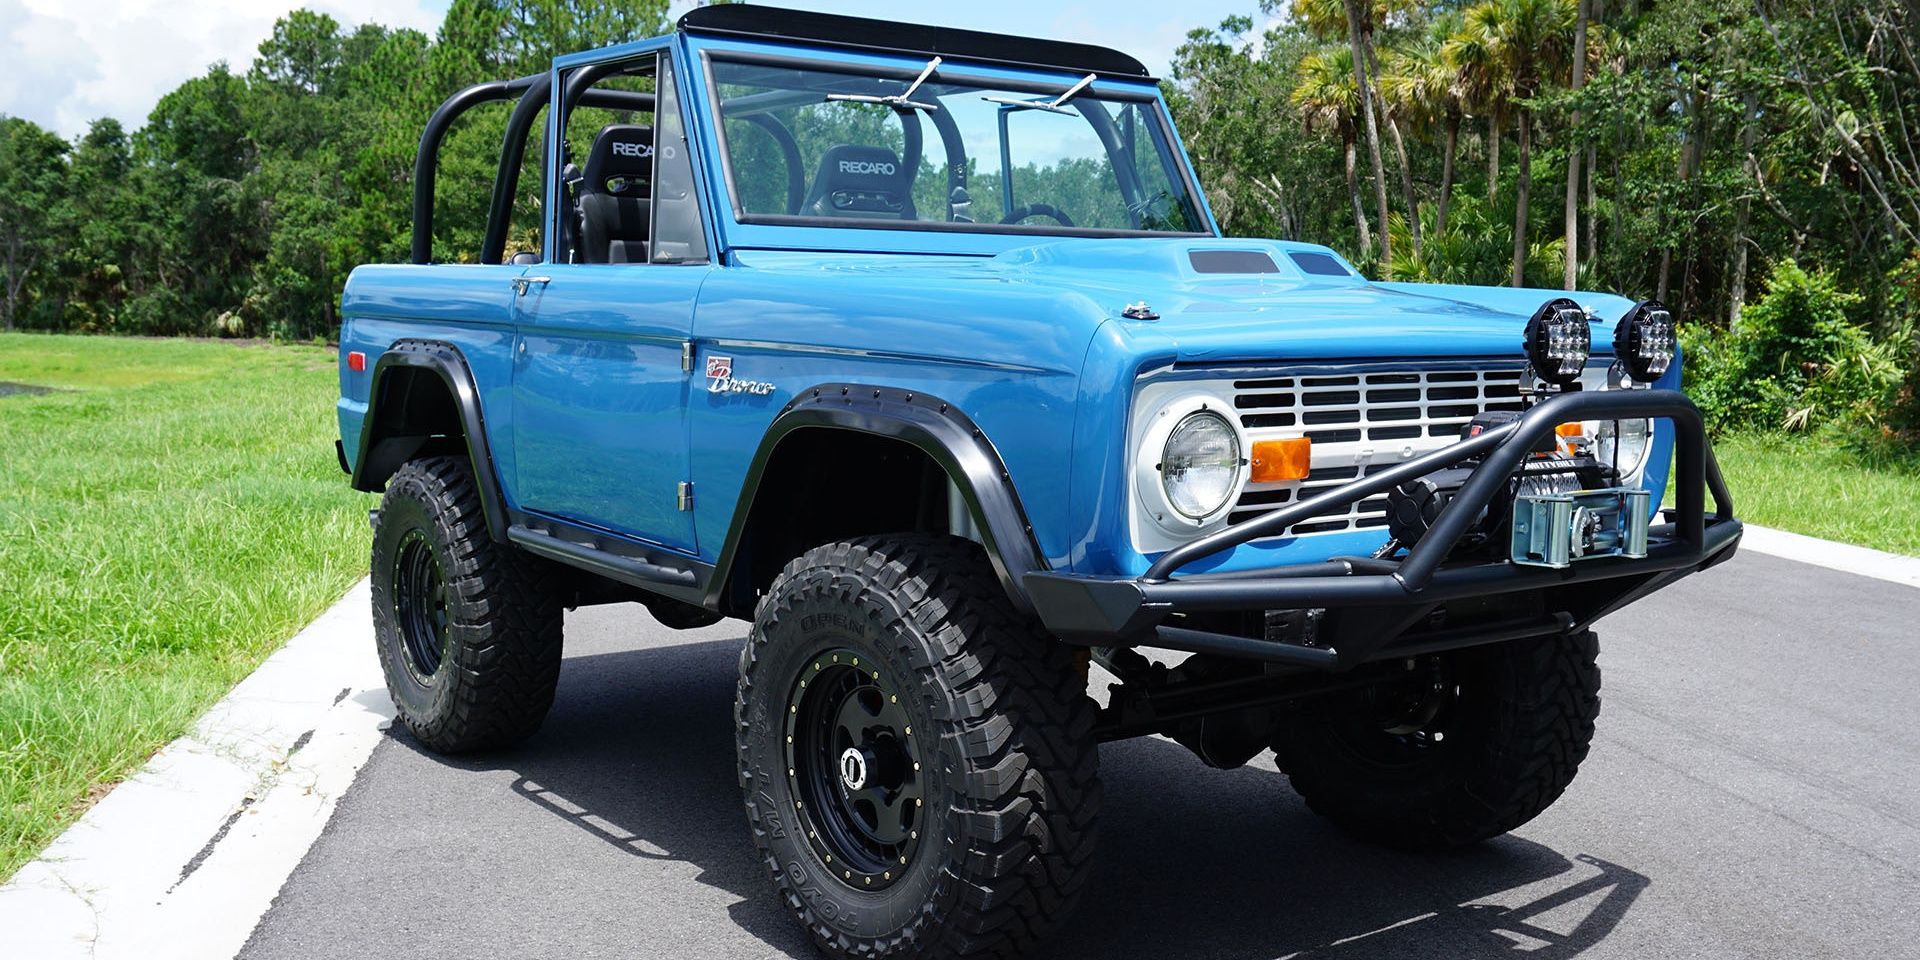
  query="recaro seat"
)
[
  {"x": 861, "y": 181},
  {"x": 614, "y": 195}
]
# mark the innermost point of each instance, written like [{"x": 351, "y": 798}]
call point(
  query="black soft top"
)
[{"x": 777, "y": 23}]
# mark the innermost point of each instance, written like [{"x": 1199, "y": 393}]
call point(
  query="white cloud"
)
[{"x": 64, "y": 63}]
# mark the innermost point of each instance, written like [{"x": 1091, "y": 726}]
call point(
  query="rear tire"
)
[
  {"x": 918, "y": 759},
  {"x": 468, "y": 630},
  {"x": 1472, "y": 745}
]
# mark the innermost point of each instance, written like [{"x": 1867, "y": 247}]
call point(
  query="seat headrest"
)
[
  {"x": 861, "y": 181},
  {"x": 621, "y": 161}
]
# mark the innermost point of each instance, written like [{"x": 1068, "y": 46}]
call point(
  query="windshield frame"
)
[{"x": 894, "y": 67}]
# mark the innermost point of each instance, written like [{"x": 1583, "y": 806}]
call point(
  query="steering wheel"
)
[{"x": 1037, "y": 210}]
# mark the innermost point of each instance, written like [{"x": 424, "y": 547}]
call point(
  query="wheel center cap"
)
[{"x": 853, "y": 769}]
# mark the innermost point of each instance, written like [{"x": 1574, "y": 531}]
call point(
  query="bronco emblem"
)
[{"x": 720, "y": 379}]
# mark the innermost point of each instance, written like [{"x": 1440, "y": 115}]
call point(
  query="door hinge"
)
[
  {"x": 686, "y": 357},
  {"x": 686, "y": 495}
]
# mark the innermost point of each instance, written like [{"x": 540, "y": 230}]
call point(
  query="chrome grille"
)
[{"x": 1360, "y": 422}]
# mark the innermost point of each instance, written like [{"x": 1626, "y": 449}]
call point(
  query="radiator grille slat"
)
[{"x": 1387, "y": 412}]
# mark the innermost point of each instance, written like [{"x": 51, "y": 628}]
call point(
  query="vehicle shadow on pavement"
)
[{"x": 1193, "y": 862}]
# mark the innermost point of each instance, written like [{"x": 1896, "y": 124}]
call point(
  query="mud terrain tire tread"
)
[
  {"x": 496, "y": 682},
  {"x": 1523, "y": 752},
  {"x": 1015, "y": 712}
]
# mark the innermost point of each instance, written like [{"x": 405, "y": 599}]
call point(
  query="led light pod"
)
[
  {"x": 1559, "y": 340},
  {"x": 1643, "y": 341}
]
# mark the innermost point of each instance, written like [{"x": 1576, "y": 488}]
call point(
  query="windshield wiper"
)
[
  {"x": 1056, "y": 105},
  {"x": 899, "y": 101}
]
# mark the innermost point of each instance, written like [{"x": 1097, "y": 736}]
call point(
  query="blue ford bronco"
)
[{"x": 919, "y": 350}]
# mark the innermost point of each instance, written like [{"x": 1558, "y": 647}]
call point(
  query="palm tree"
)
[
  {"x": 1425, "y": 90},
  {"x": 1573, "y": 150},
  {"x": 1474, "y": 51},
  {"x": 1327, "y": 95},
  {"x": 1537, "y": 42},
  {"x": 1356, "y": 19},
  {"x": 1529, "y": 40},
  {"x": 1403, "y": 109}
]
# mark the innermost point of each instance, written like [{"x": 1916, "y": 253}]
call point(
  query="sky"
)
[{"x": 65, "y": 62}]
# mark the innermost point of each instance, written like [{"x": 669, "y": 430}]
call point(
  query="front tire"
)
[
  {"x": 468, "y": 630},
  {"x": 1468, "y": 746},
  {"x": 918, "y": 759}
]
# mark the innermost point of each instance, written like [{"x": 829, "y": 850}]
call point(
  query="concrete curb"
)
[
  {"x": 182, "y": 859},
  {"x": 1844, "y": 557}
]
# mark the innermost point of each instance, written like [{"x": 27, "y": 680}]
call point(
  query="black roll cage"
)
[{"x": 530, "y": 93}]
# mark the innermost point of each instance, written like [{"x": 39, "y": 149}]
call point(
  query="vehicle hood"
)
[
  {"x": 1056, "y": 297},
  {"x": 1287, "y": 314}
]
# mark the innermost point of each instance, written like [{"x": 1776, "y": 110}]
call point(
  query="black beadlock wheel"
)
[
  {"x": 468, "y": 630},
  {"x": 919, "y": 764},
  {"x": 854, "y": 766},
  {"x": 1465, "y": 746},
  {"x": 420, "y": 605}
]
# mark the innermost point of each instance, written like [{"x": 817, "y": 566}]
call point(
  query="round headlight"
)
[
  {"x": 1201, "y": 464},
  {"x": 1643, "y": 340},
  {"x": 1622, "y": 443},
  {"x": 1558, "y": 341}
]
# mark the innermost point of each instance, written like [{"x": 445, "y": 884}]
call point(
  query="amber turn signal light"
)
[
  {"x": 1277, "y": 460},
  {"x": 1568, "y": 437}
]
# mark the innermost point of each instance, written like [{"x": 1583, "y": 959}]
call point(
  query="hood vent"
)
[
  {"x": 1231, "y": 261},
  {"x": 1319, "y": 264}
]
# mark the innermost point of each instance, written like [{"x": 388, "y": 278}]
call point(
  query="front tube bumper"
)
[{"x": 1107, "y": 611}]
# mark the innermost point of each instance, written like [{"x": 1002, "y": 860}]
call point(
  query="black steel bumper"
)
[{"x": 1380, "y": 609}]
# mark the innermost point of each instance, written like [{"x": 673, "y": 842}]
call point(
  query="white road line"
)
[
  {"x": 184, "y": 858},
  {"x": 1844, "y": 557}
]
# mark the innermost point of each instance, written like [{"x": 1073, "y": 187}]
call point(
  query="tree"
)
[
  {"x": 1424, "y": 90},
  {"x": 32, "y": 184},
  {"x": 199, "y": 155},
  {"x": 1484, "y": 79},
  {"x": 1573, "y": 151},
  {"x": 1237, "y": 105},
  {"x": 1327, "y": 96},
  {"x": 1529, "y": 39},
  {"x": 1355, "y": 19},
  {"x": 97, "y": 228}
]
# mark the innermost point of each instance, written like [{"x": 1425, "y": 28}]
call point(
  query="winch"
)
[{"x": 1562, "y": 506}]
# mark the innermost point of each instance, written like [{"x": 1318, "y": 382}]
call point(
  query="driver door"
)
[{"x": 600, "y": 382}]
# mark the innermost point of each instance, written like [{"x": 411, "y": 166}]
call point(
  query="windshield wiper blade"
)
[
  {"x": 902, "y": 100},
  {"x": 1056, "y": 105}
]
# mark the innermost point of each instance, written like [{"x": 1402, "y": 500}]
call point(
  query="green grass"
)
[
  {"x": 167, "y": 520},
  {"x": 1819, "y": 488}
]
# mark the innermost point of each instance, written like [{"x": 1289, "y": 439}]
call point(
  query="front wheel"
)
[
  {"x": 468, "y": 630},
  {"x": 1466, "y": 746},
  {"x": 918, "y": 759}
]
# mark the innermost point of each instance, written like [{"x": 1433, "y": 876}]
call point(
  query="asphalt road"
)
[{"x": 1754, "y": 791}]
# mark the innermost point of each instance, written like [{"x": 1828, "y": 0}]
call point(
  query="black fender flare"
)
[
  {"x": 376, "y": 463},
  {"x": 935, "y": 427}
]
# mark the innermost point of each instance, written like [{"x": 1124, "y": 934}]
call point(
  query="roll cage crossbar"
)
[
  {"x": 1394, "y": 593},
  {"x": 531, "y": 93}
]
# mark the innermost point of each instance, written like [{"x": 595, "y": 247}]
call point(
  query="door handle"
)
[{"x": 520, "y": 284}]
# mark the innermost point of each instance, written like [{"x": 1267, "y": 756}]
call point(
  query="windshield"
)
[{"x": 819, "y": 148}]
